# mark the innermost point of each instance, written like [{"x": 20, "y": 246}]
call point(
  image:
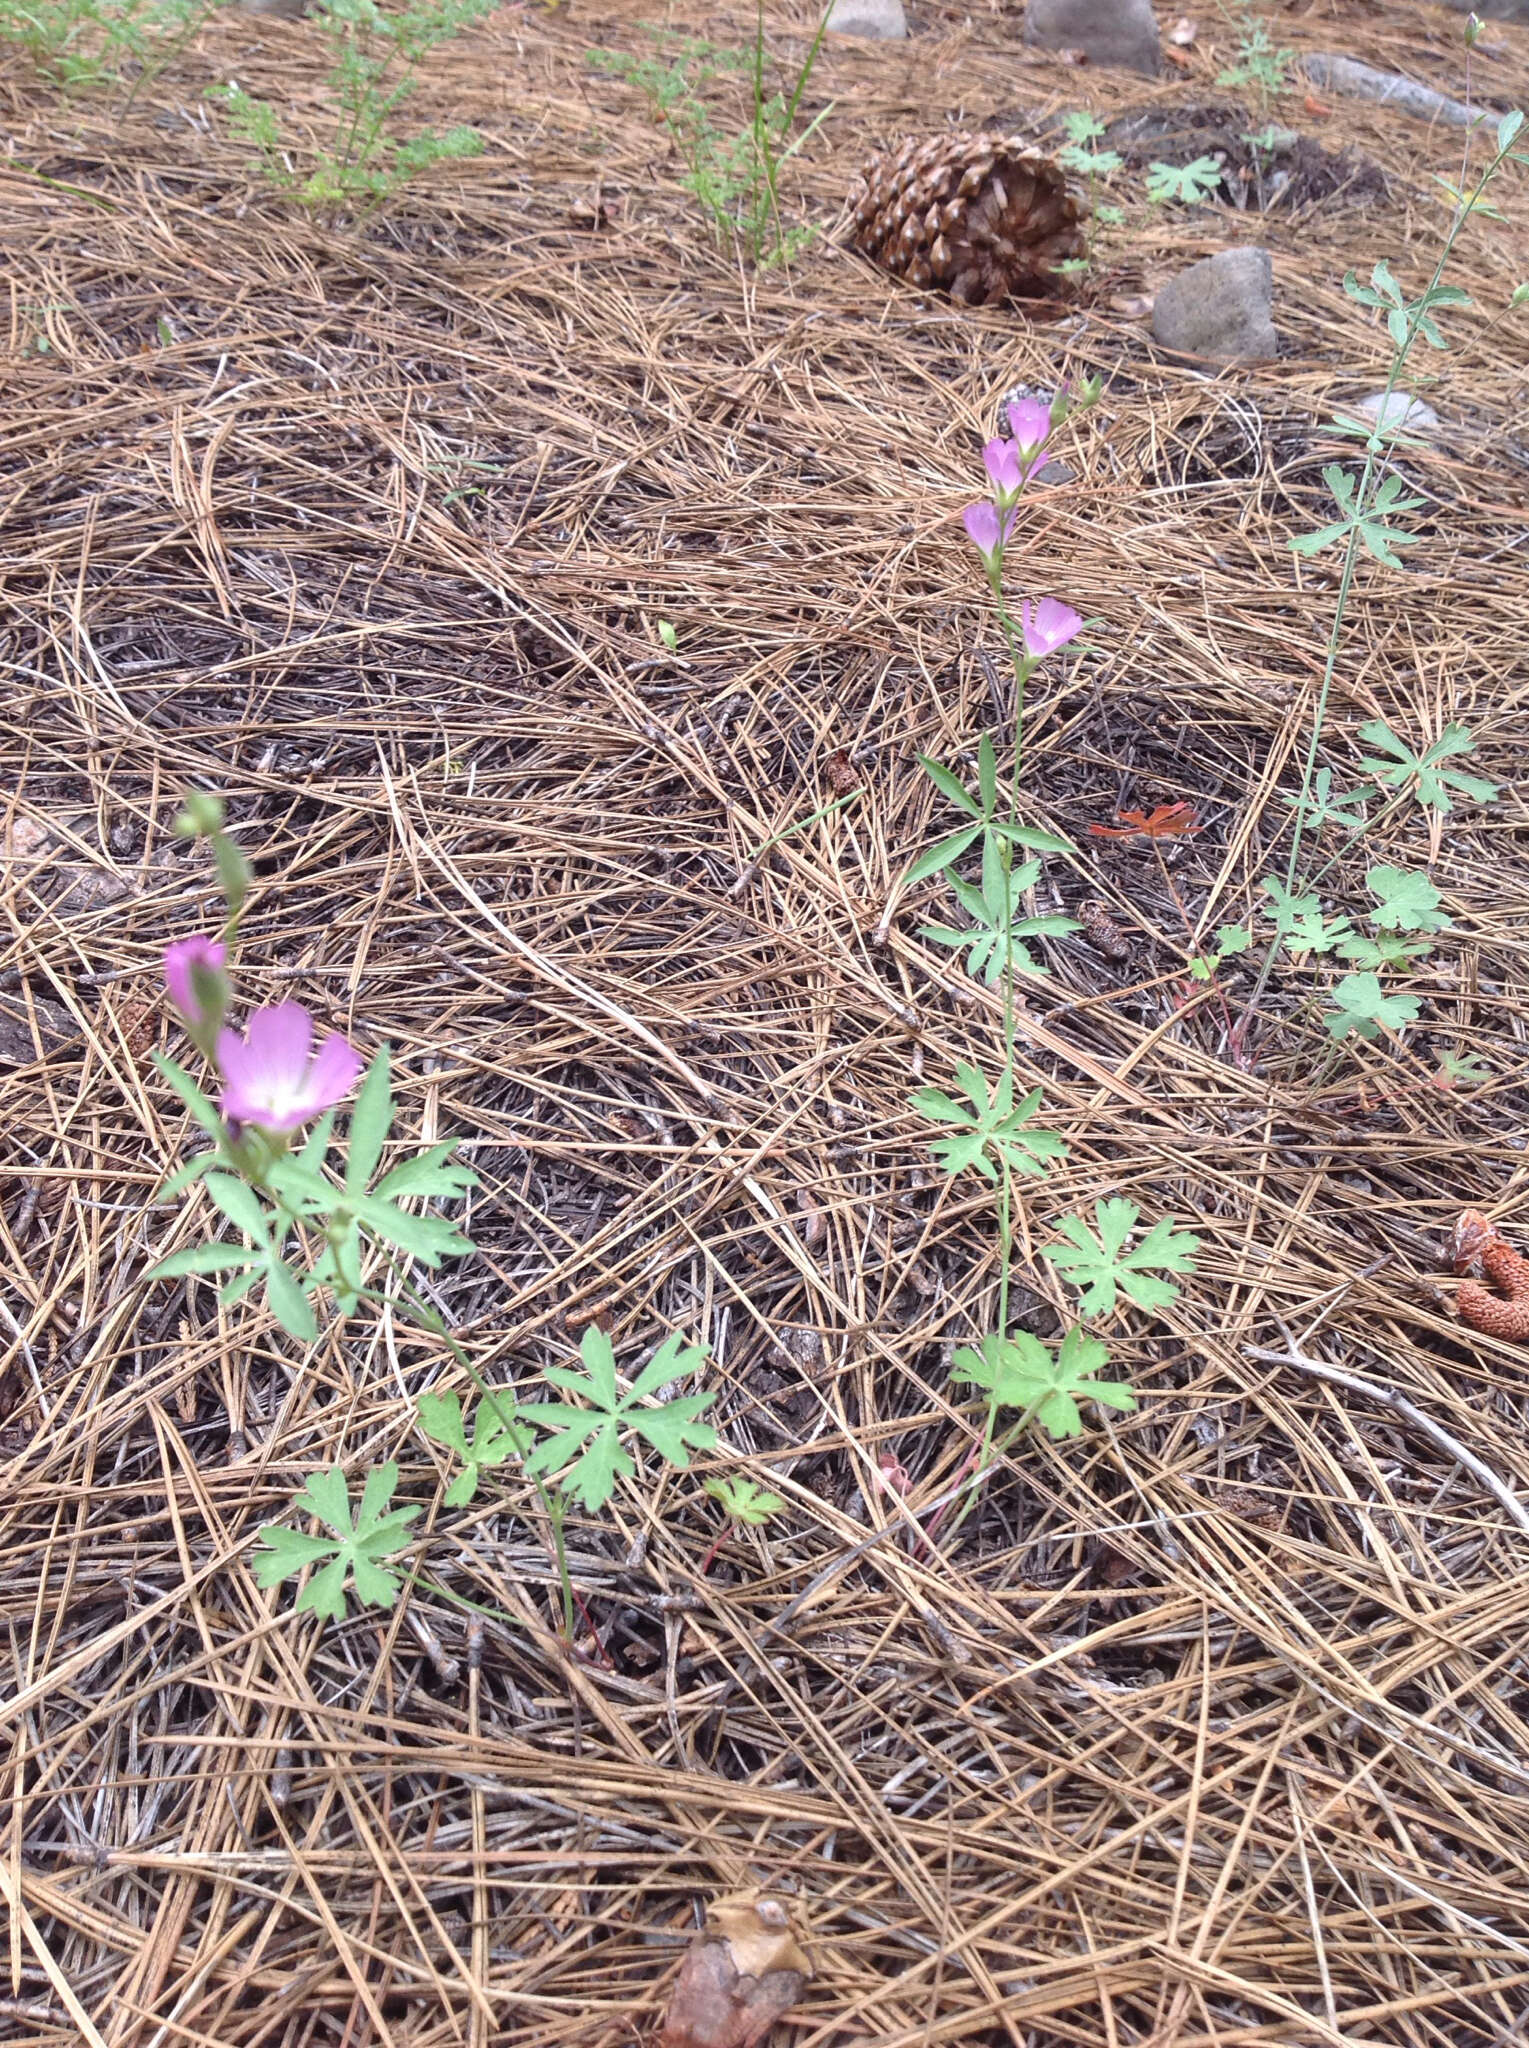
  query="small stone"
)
[
  {"x": 277, "y": 10},
  {"x": 1220, "y": 308},
  {"x": 879, "y": 21},
  {"x": 1396, "y": 409},
  {"x": 1121, "y": 33},
  {"x": 1334, "y": 73},
  {"x": 1492, "y": 10},
  {"x": 30, "y": 1031}
]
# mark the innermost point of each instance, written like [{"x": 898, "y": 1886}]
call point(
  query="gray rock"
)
[
  {"x": 1219, "y": 308},
  {"x": 278, "y": 10},
  {"x": 1119, "y": 33},
  {"x": 881, "y": 21},
  {"x": 1396, "y": 409},
  {"x": 30, "y": 1031},
  {"x": 1325, "y": 68},
  {"x": 1492, "y": 10}
]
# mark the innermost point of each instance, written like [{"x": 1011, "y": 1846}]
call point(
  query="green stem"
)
[{"x": 553, "y": 1504}]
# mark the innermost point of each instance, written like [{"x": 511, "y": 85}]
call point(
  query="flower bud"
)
[{"x": 201, "y": 814}]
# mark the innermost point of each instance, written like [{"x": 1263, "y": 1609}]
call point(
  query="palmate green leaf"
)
[
  {"x": 496, "y": 1437},
  {"x": 1389, "y": 950},
  {"x": 1019, "y": 1371},
  {"x": 1433, "y": 782},
  {"x": 744, "y": 1500},
  {"x": 1364, "y": 1008},
  {"x": 1320, "y": 807},
  {"x": 590, "y": 1437},
  {"x": 995, "y": 1133},
  {"x": 1408, "y": 901},
  {"x": 1188, "y": 184},
  {"x": 1300, "y": 920},
  {"x": 353, "y": 1547},
  {"x": 1100, "y": 1266}
]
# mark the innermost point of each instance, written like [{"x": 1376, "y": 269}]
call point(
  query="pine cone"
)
[{"x": 985, "y": 217}]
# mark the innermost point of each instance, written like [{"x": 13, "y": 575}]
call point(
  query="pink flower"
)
[
  {"x": 986, "y": 533},
  {"x": 1047, "y": 626},
  {"x": 1030, "y": 424},
  {"x": 1002, "y": 461},
  {"x": 268, "y": 1078},
  {"x": 196, "y": 981}
]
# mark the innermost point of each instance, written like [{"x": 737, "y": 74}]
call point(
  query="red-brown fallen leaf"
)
[
  {"x": 1181, "y": 58},
  {"x": 1168, "y": 821},
  {"x": 739, "y": 1977},
  {"x": 1317, "y": 109}
]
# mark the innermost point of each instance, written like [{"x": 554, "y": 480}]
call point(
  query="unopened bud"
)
[{"x": 201, "y": 814}]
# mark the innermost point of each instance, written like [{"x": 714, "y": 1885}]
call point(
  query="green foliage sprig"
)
[
  {"x": 377, "y": 53},
  {"x": 735, "y": 179}
]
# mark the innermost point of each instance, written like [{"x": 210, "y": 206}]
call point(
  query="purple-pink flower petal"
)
[
  {"x": 181, "y": 959},
  {"x": 1047, "y": 626},
  {"x": 987, "y": 533},
  {"x": 981, "y": 522},
  {"x": 1030, "y": 424},
  {"x": 268, "y": 1078},
  {"x": 1001, "y": 459},
  {"x": 335, "y": 1071}
]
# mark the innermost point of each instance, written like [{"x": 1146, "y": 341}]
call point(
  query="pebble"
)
[
  {"x": 1325, "y": 68},
  {"x": 1117, "y": 33},
  {"x": 879, "y": 21},
  {"x": 1396, "y": 409},
  {"x": 1220, "y": 308}
]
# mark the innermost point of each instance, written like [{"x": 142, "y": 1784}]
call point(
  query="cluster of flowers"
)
[
  {"x": 271, "y": 1076},
  {"x": 1050, "y": 624}
]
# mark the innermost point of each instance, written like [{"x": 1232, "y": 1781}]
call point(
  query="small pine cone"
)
[{"x": 984, "y": 217}]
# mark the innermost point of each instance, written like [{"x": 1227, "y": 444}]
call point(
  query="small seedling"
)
[
  {"x": 375, "y": 58},
  {"x": 1185, "y": 184},
  {"x": 583, "y": 1445},
  {"x": 1259, "y": 62},
  {"x": 1102, "y": 1265},
  {"x": 1321, "y": 807},
  {"x": 353, "y": 1548},
  {"x": 1020, "y": 1372},
  {"x": 496, "y": 1438},
  {"x": 735, "y": 180},
  {"x": 743, "y": 1501},
  {"x": 1364, "y": 1007}
]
